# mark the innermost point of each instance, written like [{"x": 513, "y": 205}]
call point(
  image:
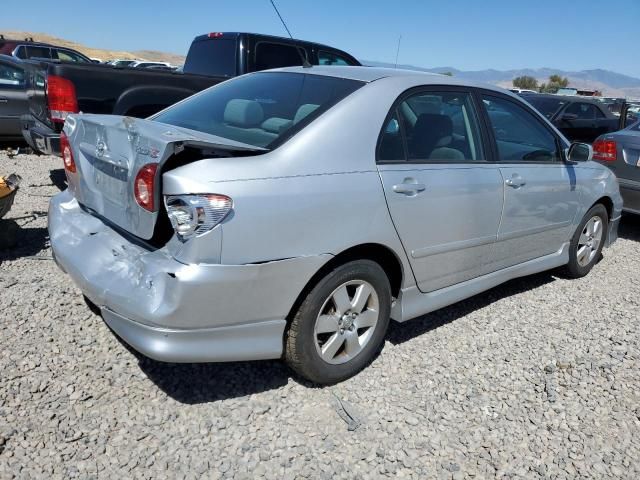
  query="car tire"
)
[
  {"x": 587, "y": 242},
  {"x": 341, "y": 323}
]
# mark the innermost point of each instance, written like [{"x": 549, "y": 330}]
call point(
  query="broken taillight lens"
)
[{"x": 194, "y": 215}]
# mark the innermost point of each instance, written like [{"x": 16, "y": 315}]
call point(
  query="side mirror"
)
[
  {"x": 580, "y": 152},
  {"x": 568, "y": 117}
]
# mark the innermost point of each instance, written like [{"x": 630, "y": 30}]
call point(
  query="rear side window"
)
[
  {"x": 433, "y": 127},
  {"x": 519, "y": 135},
  {"x": 38, "y": 52},
  {"x": 329, "y": 58},
  {"x": 11, "y": 76},
  {"x": 261, "y": 109},
  {"x": 276, "y": 55},
  {"x": 213, "y": 57},
  {"x": 584, "y": 111}
]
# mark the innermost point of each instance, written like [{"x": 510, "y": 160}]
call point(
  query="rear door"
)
[
  {"x": 444, "y": 197},
  {"x": 13, "y": 99},
  {"x": 579, "y": 123},
  {"x": 540, "y": 197}
]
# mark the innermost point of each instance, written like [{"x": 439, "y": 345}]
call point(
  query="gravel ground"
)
[{"x": 537, "y": 378}]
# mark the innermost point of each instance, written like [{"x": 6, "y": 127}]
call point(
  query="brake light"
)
[
  {"x": 194, "y": 215},
  {"x": 61, "y": 95},
  {"x": 215, "y": 35},
  {"x": 143, "y": 187},
  {"x": 67, "y": 154},
  {"x": 605, "y": 150}
]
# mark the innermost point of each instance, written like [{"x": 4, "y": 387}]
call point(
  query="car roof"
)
[{"x": 371, "y": 74}]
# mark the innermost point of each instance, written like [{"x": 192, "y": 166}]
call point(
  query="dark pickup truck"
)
[
  {"x": 580, "y": 119},
  {"x": 55, "y": 89}
]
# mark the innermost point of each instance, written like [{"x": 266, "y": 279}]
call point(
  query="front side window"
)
[
  {"x": 261, "y": 109},
  {"x": 67, "y": 56},
  {"x": 276, "y": 55},
  {"x": 328, "y": 58},
  {"x": 547, "y": 106},
  {"x": 519, "y": 135},
  {"x": 583, "y": 111},
  {"x": 435, "y": 127},
  {"x": 11, "y": 76}
]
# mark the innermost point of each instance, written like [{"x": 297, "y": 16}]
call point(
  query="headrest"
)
[
  {"x": 303, "y": 111},
  {"x": 276, "y": 124},
  {"x": 243, "y": 113},
  {"x": 438, "y": 128}
]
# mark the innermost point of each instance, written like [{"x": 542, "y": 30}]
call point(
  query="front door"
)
[
  {"x": 444, "y": 198},
  {"x": 540, "y": 198}
]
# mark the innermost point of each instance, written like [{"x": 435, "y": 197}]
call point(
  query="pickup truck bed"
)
[{"x": 56, "y": 89}]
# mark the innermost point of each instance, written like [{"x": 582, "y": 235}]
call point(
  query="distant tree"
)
[
  {"x": 555, "y": 82},
  {"x": 448, "y": 74},
  {"x": 526, "y": 82}
]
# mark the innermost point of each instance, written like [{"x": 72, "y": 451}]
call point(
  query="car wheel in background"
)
[
  {"x": 340, "y": 324},
  {"x": 587, "y": 242}
]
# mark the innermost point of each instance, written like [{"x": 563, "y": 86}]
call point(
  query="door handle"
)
[
  {"x": 409, "y": 187},
  {"x": 516, "y": 181}
]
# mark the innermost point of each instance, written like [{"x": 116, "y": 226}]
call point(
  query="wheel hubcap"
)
[
  {"x": 346, "y": 321},
  {"x": 589, "y": 241}
]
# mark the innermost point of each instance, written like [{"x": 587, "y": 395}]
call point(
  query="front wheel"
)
[
  {"x": 341, "y": 323},
  {"x": 587, "y": 242}
]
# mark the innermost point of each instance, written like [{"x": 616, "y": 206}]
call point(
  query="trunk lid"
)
[{"x": 110, "y": 150}]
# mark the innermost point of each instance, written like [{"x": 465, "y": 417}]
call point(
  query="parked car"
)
[
  {"x": 346, "y": 196},
  {"x": 140, "y": 92},
  {"x": 27, "y": 49},
  {"x": 620, "y": 151},
  {"x": 146, "y": 64},
  {"x": 521, "y": 90},
  {"x": 13, "y": 98},
  {"x": 121, "y": 63},
  {"x": 580, "y": 119}
]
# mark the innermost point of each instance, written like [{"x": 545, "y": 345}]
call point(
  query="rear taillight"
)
[
  {"x": 67, "y": 154},
  {"x": 605, "y": 150},
  {"x": 143, "y": 187},
  {"x": 61, "y": 95},
  {"x": 193, "y": 215}
]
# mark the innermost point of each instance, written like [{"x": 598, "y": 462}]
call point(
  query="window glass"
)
[
  {"x": 38, "y": 52},
  {"x": 10, "y": 75},
  {"x": 584, "y": 111},
  {"x": 259, "y": 109},
  {"x": 67, "y": 56},
  {"x": 520, "y": 136},
  {"x": 547, "y": 106},
  {"x": 391, "y": 144},
  {"x": 327, "y": 58},
  {"x": 213, "y": 56},
  {"x": 599, "y": 113},
  {"x": 275, "y": 55},
  {"x": 437, "y": 127}
]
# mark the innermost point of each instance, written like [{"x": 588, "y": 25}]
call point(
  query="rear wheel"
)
[
  {"x": 341, "y": 323},
  {"x": 587, "y": 242}
]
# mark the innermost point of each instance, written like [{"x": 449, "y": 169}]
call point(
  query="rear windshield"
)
[
  {"x": 545, "y": 105},
  {"x": 213, "y": 57},
  {"x": 261, "y": 109}
]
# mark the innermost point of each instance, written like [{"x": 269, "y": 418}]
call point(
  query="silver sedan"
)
[{"x": 293, "y": 213}]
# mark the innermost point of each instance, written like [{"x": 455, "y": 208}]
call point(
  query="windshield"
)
[
  {"x": 545, "y": 105},
  {"x": 261, "y": 109}
]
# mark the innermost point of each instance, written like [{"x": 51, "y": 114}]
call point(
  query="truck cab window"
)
[{"x": 277, "y": 55}]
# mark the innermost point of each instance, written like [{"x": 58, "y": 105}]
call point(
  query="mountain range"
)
[{"x": 608, "y": 82}]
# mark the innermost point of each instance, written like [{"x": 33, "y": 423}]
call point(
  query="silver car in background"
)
[
  {"x": 620, "y": 151},
  {"x": 292, "y": 213}
]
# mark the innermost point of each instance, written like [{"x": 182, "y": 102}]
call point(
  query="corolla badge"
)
[{"x": 153, "y": 152}]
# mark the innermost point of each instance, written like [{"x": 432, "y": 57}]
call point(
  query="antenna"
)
[
  {"x": 398, "y": 51},
  {"x": 281, "y": 19}
]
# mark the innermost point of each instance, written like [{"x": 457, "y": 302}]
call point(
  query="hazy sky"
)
[{"x": 465, "y": 34}]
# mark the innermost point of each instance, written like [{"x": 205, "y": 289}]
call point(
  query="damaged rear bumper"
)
[{"x": 171, "y": 311}]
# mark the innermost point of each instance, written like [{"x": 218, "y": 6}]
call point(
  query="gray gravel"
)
[{"x": 537, "y": 378}]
